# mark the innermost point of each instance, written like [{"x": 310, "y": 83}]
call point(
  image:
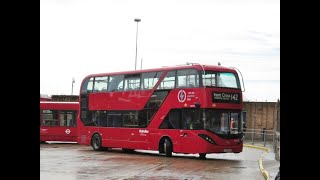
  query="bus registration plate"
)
[{"x": 227, "y": 150}]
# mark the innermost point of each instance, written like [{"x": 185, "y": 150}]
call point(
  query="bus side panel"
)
[
  {"x": 182, "y": 140},
  {"x": 84, "y": 133},
  {"x": 131, "y": 138},
  {"x": 49, "y": 132},
  {"x": 133, "y": 100},
  {"x": 58, "y": 134},
  {"x": 172, "y": 101},
  {"x": 188, "y": 141}
]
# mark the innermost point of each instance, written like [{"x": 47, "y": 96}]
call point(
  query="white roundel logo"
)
[
  {"x": 67, "y": 131},
  {"x": 182, "y": 96}
]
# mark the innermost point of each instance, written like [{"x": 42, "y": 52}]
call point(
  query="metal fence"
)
[{"x": 266, "y": 138}]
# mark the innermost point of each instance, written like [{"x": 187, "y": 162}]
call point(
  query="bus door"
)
[
  {"x": 191, "y": 122},
  {"x": 67, "y": 129},
  {"x": 135, "y": 131}
]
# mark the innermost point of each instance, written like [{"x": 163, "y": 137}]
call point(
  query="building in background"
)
[
  {"x": 68, "y": 98},
  {"x": 261, "y": 115}
]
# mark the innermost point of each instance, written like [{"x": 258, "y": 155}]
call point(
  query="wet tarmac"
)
[{"x": 76, "y": 162}]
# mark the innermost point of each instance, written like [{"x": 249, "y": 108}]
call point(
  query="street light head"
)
[{"x": 137, "y": 20}]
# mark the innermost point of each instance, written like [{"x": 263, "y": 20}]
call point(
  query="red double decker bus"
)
[
  {"x": 183, "y": 109},
  {"x": 58, "y": 121}
]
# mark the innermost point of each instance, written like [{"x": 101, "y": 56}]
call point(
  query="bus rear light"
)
[{"x": 207, "y": 138}]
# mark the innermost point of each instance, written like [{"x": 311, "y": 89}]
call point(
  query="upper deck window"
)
[
  {"x": 101, "y": 84},
  {"x": 115, "y": 83},
  {"x": 226, "y": 79},
  {"x": 209, "y": 79},
  {"x": 87, "y": 86},
  {"x": 149, "y": 80},
  {"x": 132, "y": 82},
  {"x": 187, "y": 78},
  {"x": 221, "y": 79},
  {"x": 168, "y": 81}
]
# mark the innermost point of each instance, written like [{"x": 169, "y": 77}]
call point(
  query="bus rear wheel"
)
[
  {"x": 202, "y": 155},
  {"x": 167, "y": 148},
  {"x": 96, "y": 142}
]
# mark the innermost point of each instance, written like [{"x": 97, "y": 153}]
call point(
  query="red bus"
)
[
  {"x": 58, "y": 121},
  {"x": 180, "y": 109}
]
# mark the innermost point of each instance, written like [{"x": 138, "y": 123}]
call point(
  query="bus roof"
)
[{"x": 194, "y": 66}]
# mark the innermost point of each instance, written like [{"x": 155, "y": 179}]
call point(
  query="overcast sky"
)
[{"x": 81, "y": 37}]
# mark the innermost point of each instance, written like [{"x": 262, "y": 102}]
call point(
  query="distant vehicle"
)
[
  {"x": 45, "y": 97},
  {"x": 58, "y": 121},
  {"x": 180, "y": 109}
]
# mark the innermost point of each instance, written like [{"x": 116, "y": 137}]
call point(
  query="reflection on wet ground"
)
[{"x": 73, "y": 161}]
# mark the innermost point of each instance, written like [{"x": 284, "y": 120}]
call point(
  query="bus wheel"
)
[
  {"x": 161, "y": 146},
  {"x": 202, "y": 155},
  {"x": 96, "y": 142},
  {"x": 168, "y": 148}
]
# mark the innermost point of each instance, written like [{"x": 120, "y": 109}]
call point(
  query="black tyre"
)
[
  {"x": 168, "y": 148},
  {"x": 202, "y": 155},
  {"x": 161, "y": 150},
  {"x": 96, "y": 142},
  {"x": 161, "y": 146}
]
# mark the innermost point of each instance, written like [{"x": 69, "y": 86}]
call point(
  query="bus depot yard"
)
[
  {"x": 68, "y": 161},
  {"x": 192, "y": 118}
]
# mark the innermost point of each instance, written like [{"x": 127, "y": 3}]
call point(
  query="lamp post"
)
[
  {"x": 73, "y": 81},
  {"x": 136, "y": 20}
]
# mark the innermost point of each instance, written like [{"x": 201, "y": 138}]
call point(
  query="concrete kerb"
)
[{"x": 263, "y": 171}]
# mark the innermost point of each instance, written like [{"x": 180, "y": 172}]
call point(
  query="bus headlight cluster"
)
[{"x": 207, "y": 138}]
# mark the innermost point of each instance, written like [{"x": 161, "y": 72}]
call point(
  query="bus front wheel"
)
[
  {"x": 167, "y": 148},
  {"x": 96, "y": 142}
]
